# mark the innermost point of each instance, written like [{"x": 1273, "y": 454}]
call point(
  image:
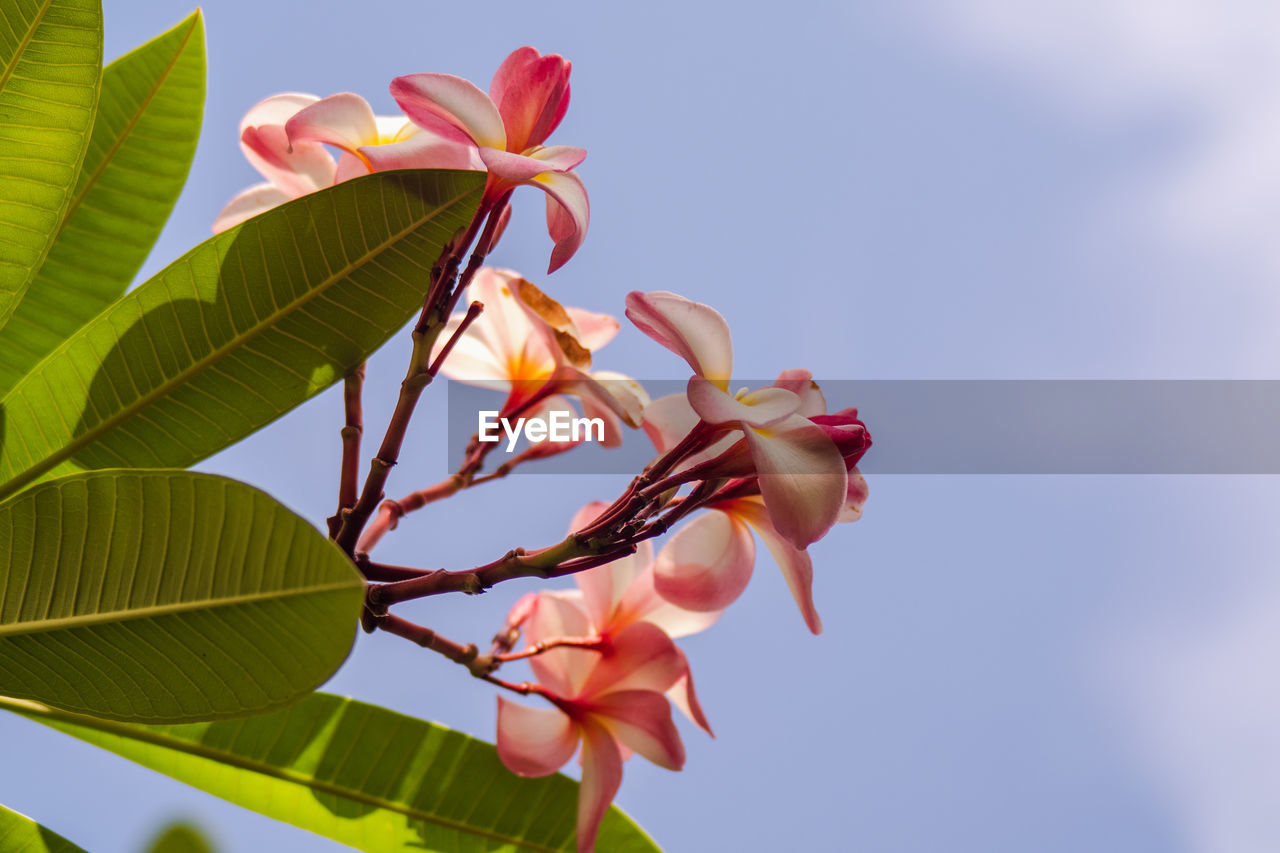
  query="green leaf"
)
[
  {"x": 180, "y": 837},
  {"x": 21, "y": 834},
  {"x": 164, "y": 596},
  {"x": 50, "y": 62},
  {"x": 361, "y": 775},
  {"x": 143, "y": 140},
  {"x": 238, "y": 331}
]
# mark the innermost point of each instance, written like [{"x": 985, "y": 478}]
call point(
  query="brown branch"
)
[
  {"x": 352, "y": 430},
  {"x": 473, "y": 311},
  {"x": 430, "y": 323},
  {"x": 566, "y": 558},
  {"x": 468, "y": 655}
]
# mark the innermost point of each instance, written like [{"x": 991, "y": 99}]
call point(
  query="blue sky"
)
[{"x": 891, "y": 191}]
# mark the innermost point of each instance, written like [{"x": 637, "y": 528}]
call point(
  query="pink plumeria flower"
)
[
  {"x": 527, "y": 99},
  {"x": 800, "y": 471},
  {"x": 290, "y": 171},
  {"x": 611, "y": 702},
  {"x": 619, "y": 594},
  {"x": 284, "y": 137},
  {"x": 531, "y": 346},
  {"x": 708, "y": 563}
]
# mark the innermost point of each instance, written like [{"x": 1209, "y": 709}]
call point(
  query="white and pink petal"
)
[
  {"x": 802, "y": 478},
  {"x": 568, "y": 214},
  {"x": 249, "y": 203},
  {"x": 697, "y": 333},
  {"x": 641, "y": 720},
  {"x": 707, "y": 564},
  {"x": 438, "y": 102},
  {"x": 795, "y": 563},
  {"x": 534, "y": 741}
]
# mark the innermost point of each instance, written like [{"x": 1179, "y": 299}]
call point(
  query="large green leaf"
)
[
  {"x": 238, "y": 331},
  {"x": 362, "y": 775},
  {"x": 50, "y": 62},
  {"x": 21, "y": 834},
  {"x": 143, "y": 140},
  {"x": 163, "y": 596}
]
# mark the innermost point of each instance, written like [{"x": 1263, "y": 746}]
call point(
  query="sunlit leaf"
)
[
  {"x": 362, "y": 775},
  {"x": 238, "y": 331},
  {"x": 143, "y": 140},
  {"x": 50, "y": 62},
  {"x": 165, "y": 596},
  {"x": 21, "y": 834}
]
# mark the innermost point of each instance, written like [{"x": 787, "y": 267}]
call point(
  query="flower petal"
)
[
  {"x": 594, "y": 330},
  {"x": 249, "y": 203},
  {"x": 669, "y": 419},
  {"x": 471, "y": 359},
  {"x": 422, "y": 150},
  {"x": 762, "y": 408},
  {"x": 695, "y": 332},
  {"x": 795, "y": 563},
  {"x": 642, "y": 603},
  {"x": 610, "y": 432},
  {"x": 800, "y": 382},
  {"x": 512, "y": 168},
  {"x": 534, "y": 741},
  {"x": 568, "y": 214},
  {"x": 604, "y": 586},
  {"x": 394, "y": 128},
  {"x": 601, "y": 778},
  {"x": 682, "y": 695},
  {"x": 706, "y": 565},
  {"x": 583, "y": 517},
  {"x": 509, "y": 70},
  {"x": 532, "y": 93},
  {"x": 549, "y": 319},
  {"x": 350, "y": 166},
  {"x": 617, "y": 399},
  {"x": 801, "y": 478},
  {"x": 641, "y": 720},
  {"x": 438, "y": 101},
  {"x": 298, "y": 170},
  {"x": 297, "y": 173},
  {"x": 558, "y": 158},
  {"x": 641, "y": 657},
  {"x": 855, "y": 497},
  {"x": 276, "y": 109},
  {"x": 620, "y": 394},
  {"x": 564, "y": 670},
  {"x": 501, "y": 343},
  {"x": 344, "y": 120}
]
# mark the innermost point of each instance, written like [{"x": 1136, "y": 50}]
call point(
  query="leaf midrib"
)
[
  {"x": 24, "y": 44},
  {"x": 71, "y": 448},
  {"x": 84, "y": 620},
  {"x": 154, "y": 738}
]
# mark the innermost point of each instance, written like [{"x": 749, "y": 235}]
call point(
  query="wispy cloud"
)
[
  {"x": 1196, "y": 681},
  {"x": 1210, "y": 68}
]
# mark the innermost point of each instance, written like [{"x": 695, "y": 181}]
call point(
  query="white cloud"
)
[
  {"x": 1213, "y": 67},
  {"x": 1201, "y": 694},
  {"x": 1197, "y": 684}
]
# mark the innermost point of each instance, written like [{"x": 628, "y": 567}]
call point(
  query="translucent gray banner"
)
[{"x": 989, "y": 427}]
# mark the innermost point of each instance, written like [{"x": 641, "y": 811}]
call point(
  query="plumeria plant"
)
[{"x": 184, "y": 620}]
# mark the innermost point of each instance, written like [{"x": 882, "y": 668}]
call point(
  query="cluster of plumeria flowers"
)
[{"x": 772, "y": 460}]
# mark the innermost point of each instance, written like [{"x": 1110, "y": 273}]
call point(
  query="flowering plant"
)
[{"x": 185, "y": 620}]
